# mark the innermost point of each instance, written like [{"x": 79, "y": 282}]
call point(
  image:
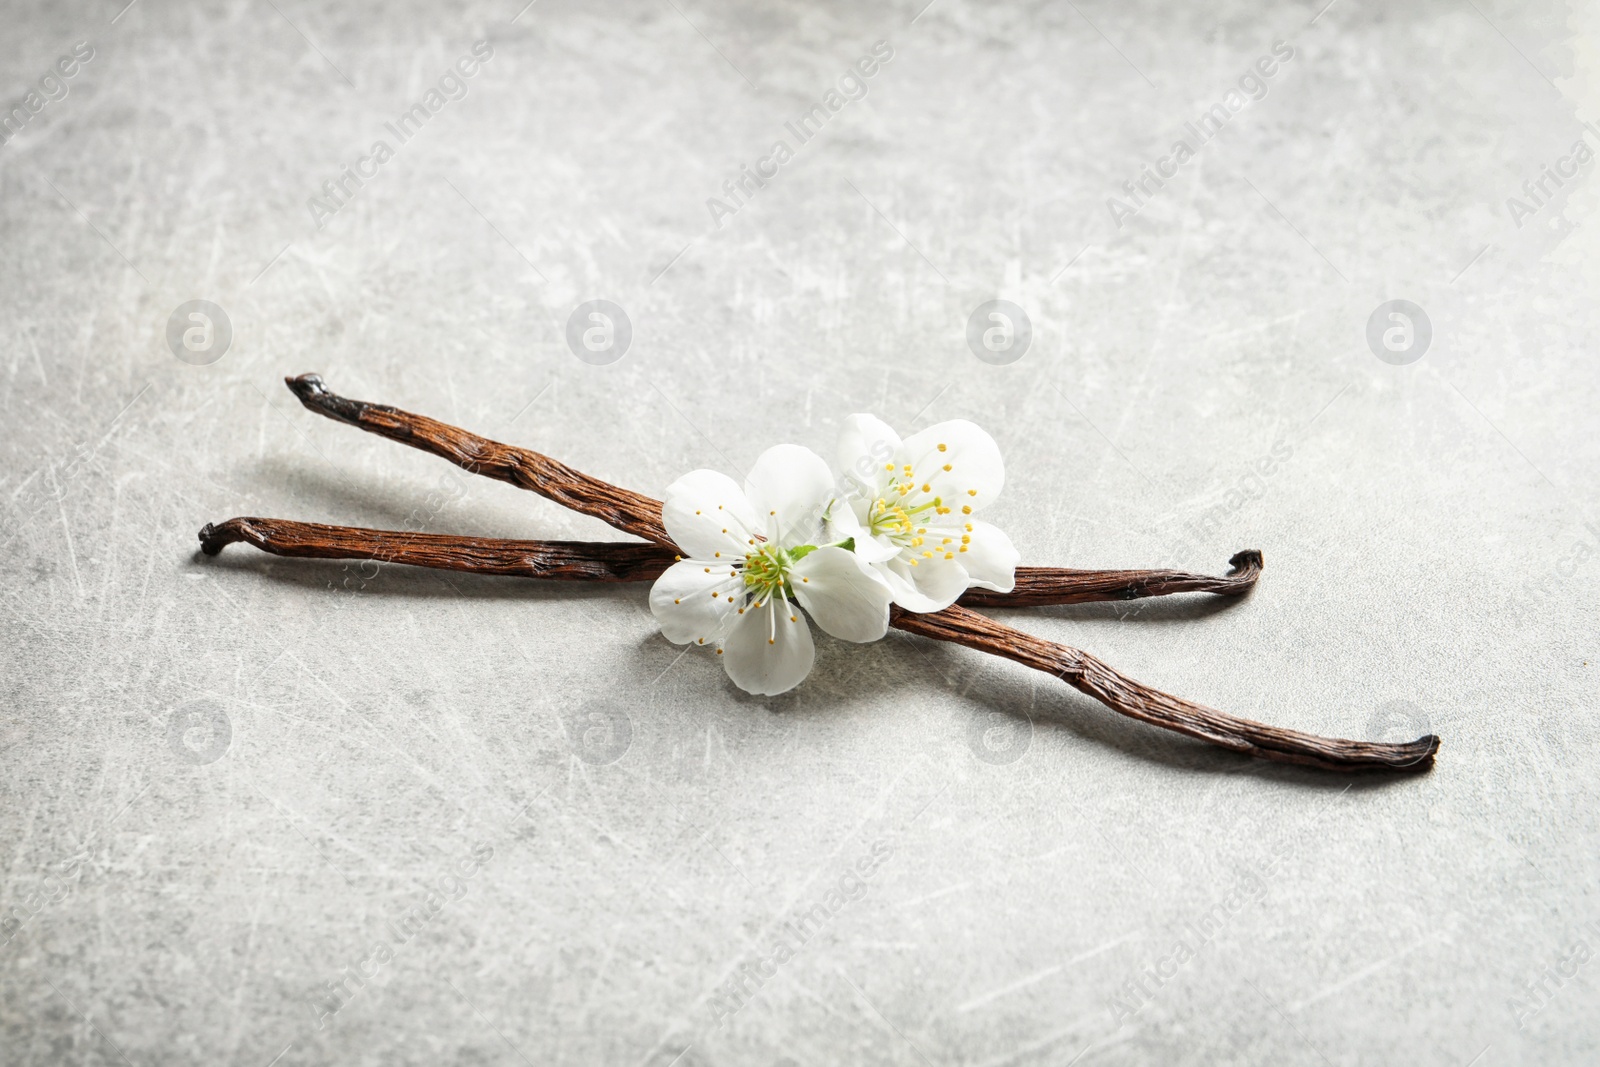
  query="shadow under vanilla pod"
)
[{"x": 647, "y": 560}]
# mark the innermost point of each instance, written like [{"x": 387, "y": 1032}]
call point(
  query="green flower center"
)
[{"x": 767, "y": 569}]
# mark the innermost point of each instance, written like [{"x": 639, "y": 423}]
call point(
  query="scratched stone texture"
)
[{"x": 265, "y": 811}]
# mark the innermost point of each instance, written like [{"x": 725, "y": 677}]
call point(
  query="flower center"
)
[
  {"x": 901, "y": 514},
  {"x": 894, "y": 516},
  {"x": 766, "y": 570}
]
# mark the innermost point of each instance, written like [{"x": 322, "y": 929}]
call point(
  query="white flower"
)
[
  {"x": 748, "y": 553},
  {"x": 910, "y": 504}
]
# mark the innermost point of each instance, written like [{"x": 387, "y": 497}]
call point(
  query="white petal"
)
[
  {"x": 990, "y": 558},
  {"x": 682, "y": 603},
  {"x": 842, "y": 522},
  {"x": 866, "y": 443},
  {"x": 976, "y": 471},
  {"x": 932, "y": 585},
  {"x": 789, "y": 485},
  {"x": 876, "y": 549},
  {"x": 769, "y": 649},
  {"x": 705, "y": 512},
  {"x": 842, "y": 594}
]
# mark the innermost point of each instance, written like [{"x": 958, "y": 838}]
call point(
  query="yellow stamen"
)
[{"x": 944, "y": 448}]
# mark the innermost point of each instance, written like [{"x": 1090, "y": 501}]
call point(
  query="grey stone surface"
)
[{"x": 227, "y": 784}]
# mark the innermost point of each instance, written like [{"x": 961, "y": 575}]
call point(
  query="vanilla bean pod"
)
[
  {"x": 595, "y": 561},
  {"x": 633, "y": 561},
  {"x": 641, "y": 515},
  {"x": 1038, "y": 586},
  {"x": 626, "y": 510},
  {"x": 1136, "y": 700}
]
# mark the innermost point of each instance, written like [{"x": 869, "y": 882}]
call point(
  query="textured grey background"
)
[{"x": 227, "y": 781}]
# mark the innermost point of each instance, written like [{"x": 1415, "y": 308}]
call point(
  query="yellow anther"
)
[
  {"x": 944, "y": 448},
  {"x": 926, "y": 488},
  {"x": 947, "y": 555},
  {"x": 805, "y": 579},
  {"x": 741, "y": 611},
  {"x": 946, "y": 541},
  {"x": 678, "y": 558},
  {"x": 969, "y": 527},
  {"x": 927, "y": 555},
  {"x": 708, "y": 570},
  {"x": 772, "y": 640},
  {"x": 947, "y": 466},
  {"x": 966, "y": 509},
  {"x": 793, "y": 619},
  {"x": 718, "y": 555},
  {"x": 678, "y": 601},
  {"x": 972, "y": 492},
  {"x": 912, "y": 562},
  {"x": 966, "y": 539},
  {"x": 888, "y": 466},
  {"x": 963, "y": 548},
  {"x": 719, "y": 651}
]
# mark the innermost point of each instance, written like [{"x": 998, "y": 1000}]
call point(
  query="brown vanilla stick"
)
[
  {"x": 626, "y": 510},
  {"x": 1061, "y": 585},
  {"x": 1117, "y": 691},
  {"x": 630, "y": 561},
  {"x": 597, "y": 561},
  {"x": 640, "y": 515}
]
